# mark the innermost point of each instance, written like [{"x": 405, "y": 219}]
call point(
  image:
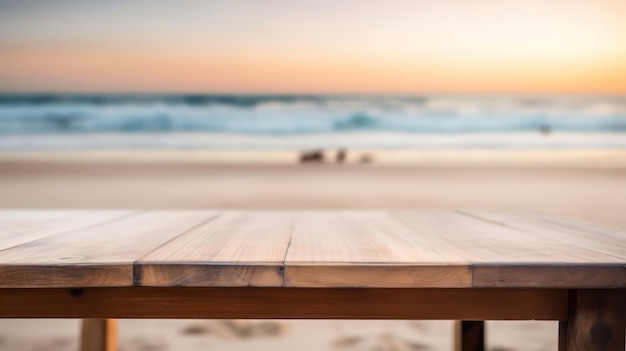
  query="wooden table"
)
[{"x": 470, "y": 265}]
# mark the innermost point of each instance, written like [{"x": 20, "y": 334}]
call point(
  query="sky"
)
[{"x": 314, "y": 46}]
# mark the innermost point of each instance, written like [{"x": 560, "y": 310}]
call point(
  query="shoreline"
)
[
  {"x": 601, "y": 158},
  {"x": 353, "y": 140}
]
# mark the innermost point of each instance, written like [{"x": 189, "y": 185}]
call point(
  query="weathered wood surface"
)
[
  {"x": 583, "y": 243},
  {"x": 371, "y": 249},
  {"x": 285, "y": 303},
  {"x": 21, "y": 226},
  {"x": 518, "y": 255},
  {"x": 237, "y": 248},
  {"x": 586, "y": 237},
  {"x": 94, "y": 256},
  {"x": 332, "y": 249}
]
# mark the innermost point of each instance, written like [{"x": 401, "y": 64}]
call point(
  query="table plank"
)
[
  {"x": 348, "y": 248},
  {"x": 237, "y": 248},
  {"x": 21, "y": 226},
  {"x": 583, "y": 235},
  {"x": 504, "y": 256},
  {"x": 367, "y": 249},
  {"x": 483, "y": 241},
  {"x": 596, "y": 245},
  {"x": 94, "y": 256}
]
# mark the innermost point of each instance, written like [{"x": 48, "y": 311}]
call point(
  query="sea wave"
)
[{"x": 303, "y": 114}]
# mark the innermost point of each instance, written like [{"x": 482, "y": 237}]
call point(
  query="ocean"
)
[{"x": 199, "y": 121}]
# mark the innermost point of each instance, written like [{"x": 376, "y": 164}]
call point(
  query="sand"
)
[
  {"x": 575, "y": 189},
  {"x": 593, "y": 194},
  {"x": 349, "y": 335}
]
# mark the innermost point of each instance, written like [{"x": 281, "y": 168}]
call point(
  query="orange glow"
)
[
  {"x": 566, "y": 47},
  {"x": 39, "y": 70}
]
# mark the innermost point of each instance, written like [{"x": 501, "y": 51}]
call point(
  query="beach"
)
[
  {"x": 584, "y": 185},
  {"x": 316, "y": 105}
]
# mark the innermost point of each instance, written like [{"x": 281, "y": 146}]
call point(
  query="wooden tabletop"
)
[{"x": 334, "y": 249}]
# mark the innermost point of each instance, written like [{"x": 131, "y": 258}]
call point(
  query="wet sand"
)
[{"x": 593, "y": 194}]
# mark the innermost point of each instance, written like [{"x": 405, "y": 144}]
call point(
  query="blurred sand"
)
[
  {"x": 306, "y": 335},
  {"x": 593, "y": 194},
  {"x": 573, "y": 188}
]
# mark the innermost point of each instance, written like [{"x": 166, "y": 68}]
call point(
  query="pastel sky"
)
[{"x": 314, "y": 46}]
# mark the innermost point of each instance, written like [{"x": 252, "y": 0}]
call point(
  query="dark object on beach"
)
[
  {"x": 341, "y": 155},
  {"x": 196, "y": 329},
  {"x": 545, "y": 129},
  {"x": 315, "y": 156},
  {"x": 366, "y": 158}
]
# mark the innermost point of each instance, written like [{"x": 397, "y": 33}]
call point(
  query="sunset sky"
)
[{"x": 314, "y": 46}]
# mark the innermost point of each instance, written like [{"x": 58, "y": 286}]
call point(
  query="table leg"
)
[
  {"x": 98, "y": 335},
  {"x": 597, "y": 321},
  {"x": 469, "y": 336}
]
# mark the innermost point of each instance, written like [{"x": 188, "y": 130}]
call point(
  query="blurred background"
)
[{"x": 311, "y": 105}]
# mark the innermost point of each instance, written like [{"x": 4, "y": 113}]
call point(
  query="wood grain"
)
[
  {"x": 98, "y": 335},
  {"x": 503, "y": 256},
  {"x": 599, "y": 250},
  {"x": 238, "y": 248},
  {"x": 94, "y": 256},
  {"x": 555, "y": 275},
  {"x": 373, "y": 248},
  {"x": 21, "y": 226},
  {"x": 367, "y": 249},
  {"x": 597, "y": 321},
  {"x": 285, "y": 303},
  {"x": 483, "y": 241},
  {"x": 596, "y": 241}
]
